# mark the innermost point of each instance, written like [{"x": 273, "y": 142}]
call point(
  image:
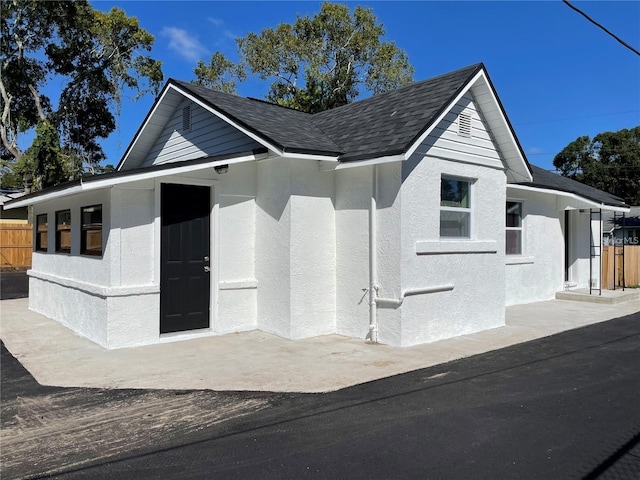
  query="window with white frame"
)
[
  {"x": 513, "y": 244},
  {"x": 455, "y": 208}
]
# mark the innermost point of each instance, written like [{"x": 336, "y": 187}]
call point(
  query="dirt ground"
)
[{"x": 45, "y": 430}]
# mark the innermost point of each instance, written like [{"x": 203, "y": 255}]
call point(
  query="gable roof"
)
[
  {"x": 290, "y": 130},
  {"x": 387, "y": 124},
  {"x": 390, "y": 124},
  {"x": 552, "y": 181}
]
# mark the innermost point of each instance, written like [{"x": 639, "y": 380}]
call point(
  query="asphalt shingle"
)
[
  {"x": 381, "y": 125},
  {"x": 552, "y": 181},
  {"x": 290, "y": 130}
]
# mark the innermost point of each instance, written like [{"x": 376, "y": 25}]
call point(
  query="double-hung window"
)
[
  {"x": 63, "y": 231},
  {"x": 514, "y": 228},
  {"x": 455, "y": 208},
  {"x": 91, "y": 233},
  {"x": 42, "y": 233}
]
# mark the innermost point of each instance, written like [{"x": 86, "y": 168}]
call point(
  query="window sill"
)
[
  {"x": 449, "y": 247},
  {"x": 518, "y": 260}
]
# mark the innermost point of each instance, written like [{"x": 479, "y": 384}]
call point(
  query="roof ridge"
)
[{"x": 474, "y": 66}]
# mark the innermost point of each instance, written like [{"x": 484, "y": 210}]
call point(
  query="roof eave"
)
[
  {"x": 590, "y": 201},
  {"x": 106, "y": 180}
]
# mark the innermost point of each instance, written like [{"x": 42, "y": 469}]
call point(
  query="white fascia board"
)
[
  {"x": 252, "y": 135},
  {"x": 140, "y": 132},
  {"x": 480, "y": 76},
  {"x": 588, "y": 203},
  {"x": 364, "y": 163},
  {"x": 444, "y": 113},
  {"x": 308, "y": 156},
  {"x": 119, "y": 180},
  {"x": 509, "y": 132}
]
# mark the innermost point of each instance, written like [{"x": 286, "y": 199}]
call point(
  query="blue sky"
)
[{"x": 558, "y": 76}]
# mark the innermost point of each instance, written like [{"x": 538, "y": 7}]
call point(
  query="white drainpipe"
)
[
  {"x": 373, "y": 259},
  {"x": 374, "y": 300},
  {"x": 396, "y": 302}
]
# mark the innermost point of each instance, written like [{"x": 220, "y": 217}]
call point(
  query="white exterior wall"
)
[
  {"x": 390, "y": 228},
  {"x": 313, "y": 251},
  {"x": 70, "y": 288},
  {"x": 234, "y": 249},
  {"x": 295, "y": 249},
  {"x": 474, "y": 266},
  {"x": 273, "y": 225},
  {"x": 538, "y": 273},
  {"x": 353, "y": 194},
  {"x": 580, "y": 250}
]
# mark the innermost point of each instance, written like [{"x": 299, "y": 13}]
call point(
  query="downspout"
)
[{"x": 373, "y": 260}]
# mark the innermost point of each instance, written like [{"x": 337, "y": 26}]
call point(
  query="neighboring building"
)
[
  {"x": 621, "y": 229},
  {"x": 383, "y": 219},
  {"x": 16, "y": 215}
]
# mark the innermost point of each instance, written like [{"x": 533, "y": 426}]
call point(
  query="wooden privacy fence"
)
[
  {"x": 16, "y": 244},
  {"x": 611, "y": 261}
]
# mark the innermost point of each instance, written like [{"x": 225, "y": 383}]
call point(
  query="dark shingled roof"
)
[
  {"x": 553, "y": 181},
  {"x": 389, "y": 123},
  {"x": 381, "y": 125},
  {"x": 289, "y": 130}
]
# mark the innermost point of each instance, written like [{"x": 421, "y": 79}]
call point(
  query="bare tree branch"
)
[{"x": 11, "y": 146}]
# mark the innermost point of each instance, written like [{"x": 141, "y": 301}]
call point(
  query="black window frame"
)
[
  {"x": 58, "y": 247},
  {"x": 38, "y": 233},
  {"x": 84, "y": 231}
]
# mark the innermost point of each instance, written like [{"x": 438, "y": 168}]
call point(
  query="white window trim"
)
[
  {"x": 523, "y": 250},
  {"x": 469, "y": 210}
]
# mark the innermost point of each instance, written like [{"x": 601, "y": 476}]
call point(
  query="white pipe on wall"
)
[
  {"x": 373, "y": 260},
  {"x": 396, "y": 302}
]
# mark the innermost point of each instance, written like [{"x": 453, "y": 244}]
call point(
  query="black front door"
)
[{"x": 184, "y": 257}]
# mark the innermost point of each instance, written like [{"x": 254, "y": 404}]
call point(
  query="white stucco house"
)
[{"x": 404, "y": 218}]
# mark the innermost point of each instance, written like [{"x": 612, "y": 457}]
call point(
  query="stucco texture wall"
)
[
  {"x": 474, "y": 266},
  {"x": 295, "y": 249},
  {"x": 538, "y": 273}
]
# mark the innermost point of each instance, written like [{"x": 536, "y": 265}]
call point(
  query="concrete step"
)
[{"x": 607, "y": 296}]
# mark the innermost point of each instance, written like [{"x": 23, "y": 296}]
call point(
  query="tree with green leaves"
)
[
  {"x": 610, "y": 161},
  {"x": 316, "y": 63},
  {"x": 96, "y": 56}
]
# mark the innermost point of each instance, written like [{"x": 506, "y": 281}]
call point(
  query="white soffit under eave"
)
[
  {"x": 134, "y": 177},
  {"x": 516, "y": 165},
  {"x": 581, "y": 201}
]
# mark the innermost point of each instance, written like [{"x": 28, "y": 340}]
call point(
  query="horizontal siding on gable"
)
[
  {"x": 445, "y": 142},
  {"x": 209, "y": 135}
]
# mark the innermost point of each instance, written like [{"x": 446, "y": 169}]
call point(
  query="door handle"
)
[
  {"x": 207, "y": 269},
  {"x": 206, "y": 259}
]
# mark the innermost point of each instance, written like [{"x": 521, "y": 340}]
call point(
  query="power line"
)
[
  {"x": 575, "y": 118},
  {"x": 602, "y": 27}
]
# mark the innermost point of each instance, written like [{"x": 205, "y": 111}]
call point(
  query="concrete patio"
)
[{"x": 257, "y": 361}]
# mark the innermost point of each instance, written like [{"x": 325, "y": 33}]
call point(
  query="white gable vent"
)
[
  {"x": 464, "y": 125},
  {"x": 186, "y": 118}
]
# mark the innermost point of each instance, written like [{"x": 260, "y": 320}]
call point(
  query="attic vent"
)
[
  {"x": 464, "y": 125},
  {"x": 186, "y": 118}
]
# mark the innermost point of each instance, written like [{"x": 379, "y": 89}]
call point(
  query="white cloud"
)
[
  {"x": 216, "y": 21},
  {"x": 534, "y": 151},
  {"x": 184, "y": 44}
]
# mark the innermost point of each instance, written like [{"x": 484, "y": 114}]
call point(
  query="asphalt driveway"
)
[
  {"x": 564, "y": 406},
  {"x": 13, "y": 284}
]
